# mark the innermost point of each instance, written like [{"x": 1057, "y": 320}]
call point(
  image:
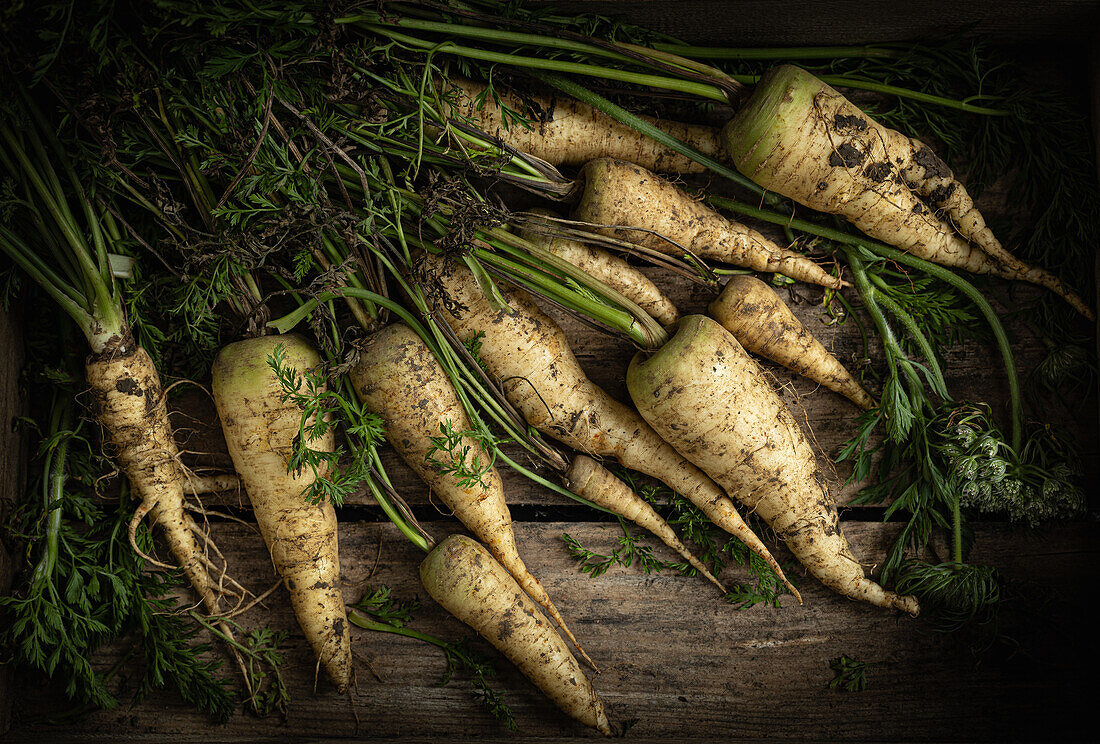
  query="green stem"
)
[
  {"x": 868, "y": 296},
  {"x": 365, "y": 621},
  {"x": 550, "y": 484},
  {"x": 1015, "y": 402},
  {"x": 415, "y": 536},
  {"x": 513, "y": 39},
  {"x": 938, "y": 384},
  {"x": 552, "y": 288},
  {"x": 634, "y": 121},
  {"x": 843, "y": 81},
  {"x": 54, "y": 488},
  {"x": 702, "y": 90}
]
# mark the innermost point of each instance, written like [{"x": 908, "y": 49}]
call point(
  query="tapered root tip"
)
[
  {"x": 907, "y": 604},
  {"x": 782, "y": 576},
  {"x": 862, "y": 398},
  {"x": 715, "y": 581},
  {"x": 587, "y": 658}
]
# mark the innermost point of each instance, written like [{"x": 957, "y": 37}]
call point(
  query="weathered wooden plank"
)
[{"x": 673, "y": 657}]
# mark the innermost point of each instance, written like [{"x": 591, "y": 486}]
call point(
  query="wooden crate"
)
[{"x": 680, "y": 662}]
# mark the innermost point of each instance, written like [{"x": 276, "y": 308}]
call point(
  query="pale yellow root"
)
[
  {"x": 590, "y": 480},
  {"x": 801, "y": 138},
  {"x": 934, "y": 181},
  {"x": 466, "y": 581},
  {"x": 567, "y": 132},
  {"x": 259, "y": 431},
  {"x": 131, "y": 406},
  {"x": 707, "y": 396},
  {"x": 527, "y": 351},
  {"x": 624, "y": 195},
  {"x": 195, "y": 485},
  {"x": 762, "y": 323},
  {"x": 399, "y": 379},
  {"x": 609, "y": 269}
]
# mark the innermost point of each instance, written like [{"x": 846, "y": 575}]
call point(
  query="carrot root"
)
[
  {"x": 469, "y": 583},
  {"x": 590, "y": 480},
  {"x": 707, "y": 397},
  {"x": 638, "y": 206},
  {"x": 799, "y": 137},
  {"x": 565, "y": 131},
  {"x": 130, "y": 399},
  {"x": 763, "y": 324},
  {"x": 260, "y": 429}
]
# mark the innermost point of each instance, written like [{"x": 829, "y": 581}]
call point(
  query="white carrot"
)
[
  {"x": 709, "y": 399},
  {"x": 763, "y": 324},
  {"x": 632, "y": 204},
  {"x": 567, "y": 132},
  {"x": 801, "y": 138},
  {"x": 588, "y": 479},
  {"x": 260, "y": 429},
  {"x": 468, "y": 582}
]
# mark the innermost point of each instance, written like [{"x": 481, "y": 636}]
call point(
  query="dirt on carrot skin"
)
[
  {"x": 468, "y": 582},
  {"x": 707, "y": 397},
  {"x": 398, "y": 378},
  {"x": 628, "y": 202},
  {"x": 131, "y": 406}
]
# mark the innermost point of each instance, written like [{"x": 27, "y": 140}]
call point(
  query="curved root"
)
[{"x": 142, "y": 511}]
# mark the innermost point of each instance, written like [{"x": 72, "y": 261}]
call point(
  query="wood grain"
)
[{"x": 674, "y": 657}]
